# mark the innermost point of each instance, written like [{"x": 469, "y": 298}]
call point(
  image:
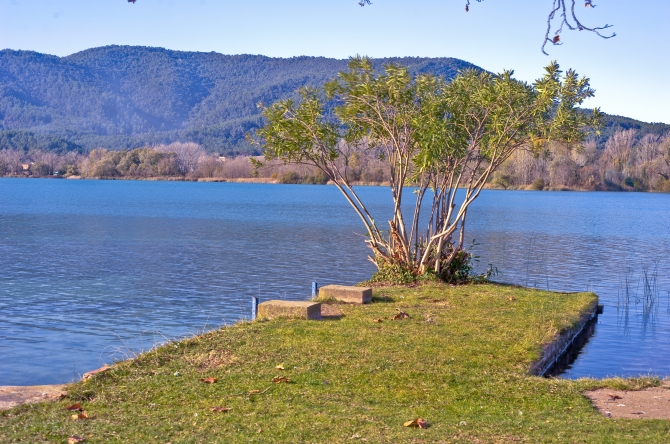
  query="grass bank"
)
[{"x": 460, "y": 362}]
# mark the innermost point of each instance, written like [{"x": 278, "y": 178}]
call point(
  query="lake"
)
[{"x": 93, "y": 271}]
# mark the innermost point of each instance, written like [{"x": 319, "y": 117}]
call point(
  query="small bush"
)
[
  {"x": 502, "y": 180},
  {"x": 374, "y": 175},
  {"x": 318, "y": 178},
  {"x": 40, "y": 169},
  {"x": 538, "y": 184},
  {"x": 289, "y": 177},
  {"x": 70, "y": 170},
  {"x": 633, "y": 183},
  {"x": 611, "y": 186},
  {"x": 393, "y": 273},
  {"x": 459, "y": 270}
]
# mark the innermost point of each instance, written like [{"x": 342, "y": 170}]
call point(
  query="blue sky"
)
[{"x": 629, "y": 72}]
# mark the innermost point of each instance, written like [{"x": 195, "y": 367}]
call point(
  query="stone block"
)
[
  {"x": 354, "y": 295},
  {"x": 289, "y": 309}
]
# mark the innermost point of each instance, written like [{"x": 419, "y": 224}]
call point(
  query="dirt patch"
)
[
  {"x": 211, "y": 360},
  {"x": 430, "y": 318},
  {"x": 441, "y": 302},
  {"x": 11, "y": 396},
  {"x": 651, "y": 403}
]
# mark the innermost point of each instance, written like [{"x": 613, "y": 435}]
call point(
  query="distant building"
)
[
  {"x": 222, "y": 158},
  {"x": 26, "y": 166}
]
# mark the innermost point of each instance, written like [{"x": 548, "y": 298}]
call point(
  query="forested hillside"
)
[
  {"x": 54, "y": 111},
  {"x": 127, "y": 97}
]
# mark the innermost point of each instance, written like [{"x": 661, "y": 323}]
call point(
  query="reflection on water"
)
[
  {"x": 614, "y": 244},
  {"x": 571, "y": 353},
  {"x": 96, "y": 270},
  {"x": 642, "y": 300}
]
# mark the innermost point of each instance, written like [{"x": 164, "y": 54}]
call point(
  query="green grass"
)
[{"x": 460, "y": 361}]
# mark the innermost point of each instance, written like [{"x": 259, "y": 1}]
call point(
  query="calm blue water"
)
[{"x": 92, "y": 271}]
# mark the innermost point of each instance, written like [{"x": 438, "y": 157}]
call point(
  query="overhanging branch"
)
[{"x": 570, "y": 21}]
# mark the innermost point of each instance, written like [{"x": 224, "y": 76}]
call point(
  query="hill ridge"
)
[{"x": 121, "y": 96}]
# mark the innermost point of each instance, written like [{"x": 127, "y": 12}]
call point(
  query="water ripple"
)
[{"x": 92, "y": 271}]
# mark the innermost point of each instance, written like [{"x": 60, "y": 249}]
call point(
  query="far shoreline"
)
[{"x": 269, "y": 180}]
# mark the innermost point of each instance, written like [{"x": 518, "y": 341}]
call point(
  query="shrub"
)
[
  {"x": 318, "y": 178},
  {"x": 538, "y": 184},
  {"x": 502, "y": 180},
  {"x": 289, "y": 177},
  {"x": 459, "y": 269},
  {"x": 393, "y": 273},
  {"x": 40, "y": 169}
]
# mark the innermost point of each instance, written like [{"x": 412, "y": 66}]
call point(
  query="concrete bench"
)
[
  {"x": 289, "y": 309},
  {"x": 354, "y": 295}
]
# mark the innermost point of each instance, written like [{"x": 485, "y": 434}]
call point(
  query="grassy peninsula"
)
[{"x": 460, "y": 361}]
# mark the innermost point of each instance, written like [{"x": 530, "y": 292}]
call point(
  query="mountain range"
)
[{"x": 129, "y": 96}]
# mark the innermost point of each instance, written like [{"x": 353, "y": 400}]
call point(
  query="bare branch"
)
[{"x": 571, "y": 21}]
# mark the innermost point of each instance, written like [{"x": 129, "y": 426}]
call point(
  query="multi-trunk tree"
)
[{"x": 442, "y": 142}]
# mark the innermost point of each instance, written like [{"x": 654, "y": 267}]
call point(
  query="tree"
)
[
  {"x": 436, "y": 136},
  {"x": 567, "y": 19},
  {"x": 188, "y": 154},
  {"x": 619, "y": 147}
]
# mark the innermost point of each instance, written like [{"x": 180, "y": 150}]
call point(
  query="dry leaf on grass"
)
[
  {"x": 220, "y": 409},
  {"x": 209, "y": 380},
  {"x": 279, "y": 366},
  {"x": 280, "y": 379},
  {"x": 82, "y": 415},
  {"x": 379, "y": 320},
  {"x": 75, "y": 439},
  {"x": 73, "y": 407},
  {"x": 418, "y": 422},
  {"x": 258, "y": 392},
  {"x": 511, "y": 298},
  {"x": 400, "y": 315}
]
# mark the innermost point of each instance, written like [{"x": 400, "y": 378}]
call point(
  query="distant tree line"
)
[
  {"x": 625, "y": 161},
  {"x": 181, "y": 161},
  {"x": 174, "y": 160}
]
